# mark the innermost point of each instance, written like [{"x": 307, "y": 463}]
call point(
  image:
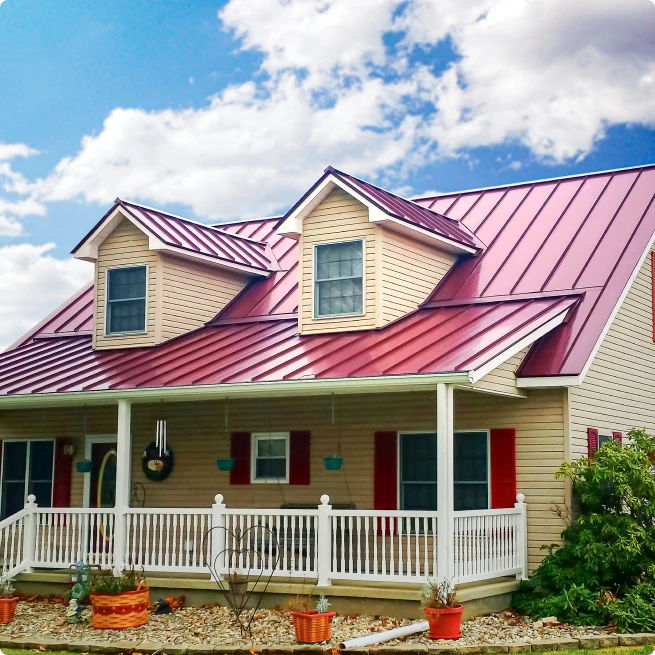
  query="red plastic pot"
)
[{"x": 445, "y": 623}]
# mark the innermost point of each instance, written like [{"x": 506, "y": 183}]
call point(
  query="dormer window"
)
[
  {"x": 338, "y": 279},
  {"x": 126, "y": 300}
]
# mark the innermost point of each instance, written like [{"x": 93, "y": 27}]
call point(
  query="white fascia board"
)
[
  {"x": 518, "y": 346},
  {"x": 378, "y": 384},
  {"x": 617, "y": 306},
  {"x": 550, "y": 381},
  {"x": 88, "y": 251},
  {"x": 155, "y": 244},
  {"x": 292, "y": 226},
  {"x": 418, "y": 233}
]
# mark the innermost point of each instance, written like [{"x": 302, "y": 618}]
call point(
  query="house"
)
[{"x": 366, "y": 391}]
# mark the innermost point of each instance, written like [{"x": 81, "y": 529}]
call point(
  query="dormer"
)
[
  {"x": 158, "y": 276},
  {"x": 367, "y": 256}
]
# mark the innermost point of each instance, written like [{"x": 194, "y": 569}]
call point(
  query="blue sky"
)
[{"x": 217, "y": 110}]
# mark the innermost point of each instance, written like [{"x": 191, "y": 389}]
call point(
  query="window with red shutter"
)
[
  {"x": 617, "y": 436},
  {"x": 592, "y": 442},
  {"x": 299, "y": 457},
  {"x": 61, "y": 483},
  {"x": 385, "y": 470}
]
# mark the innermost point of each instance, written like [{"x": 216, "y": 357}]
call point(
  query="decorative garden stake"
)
[{"x": 243, "y": 558}]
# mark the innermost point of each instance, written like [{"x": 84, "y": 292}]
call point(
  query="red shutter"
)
[
  {"x": 299, "y": 449},
  {"x": 503, "y": 467},
  {"x": 61, "y": 483},
  {"x": 617, "y": 436},
  {"x": 385, "y": 471},
  {"x": 240, "y": 450},
  {"x": 592, "y": 442}
]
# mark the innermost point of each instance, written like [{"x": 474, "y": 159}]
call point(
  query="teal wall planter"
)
[
  {"x": 83, "y": 466},
  {"x": 225, "y": 463},
  {"x": 333, "y": 463}
]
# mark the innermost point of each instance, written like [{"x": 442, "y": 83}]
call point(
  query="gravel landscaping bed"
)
[{"x": 215, "y": 626}]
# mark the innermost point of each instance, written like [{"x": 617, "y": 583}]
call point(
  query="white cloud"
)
[
  {"x": 551, "y": 75},
  {"x": 10, "y": 227},
  {"x": 11, "y": 150},
  {"x": 33, "y": 283}
]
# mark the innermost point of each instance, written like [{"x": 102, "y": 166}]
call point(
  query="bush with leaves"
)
[{"x": 605, "y": 570}]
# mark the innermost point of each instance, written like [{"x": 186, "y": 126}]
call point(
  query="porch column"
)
[
  {"x": 123, "y": 478},
  {"x": 445, "y": 486}
]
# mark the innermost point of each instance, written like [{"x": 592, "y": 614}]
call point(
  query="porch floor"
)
[{"x": 347, "y": 597}]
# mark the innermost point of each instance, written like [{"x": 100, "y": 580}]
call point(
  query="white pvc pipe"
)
[{"x": 387, "y": 635}]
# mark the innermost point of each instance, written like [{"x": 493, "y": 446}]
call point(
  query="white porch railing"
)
[{"x": 322, "y": 543}]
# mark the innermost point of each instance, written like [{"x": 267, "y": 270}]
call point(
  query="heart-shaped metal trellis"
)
[{"x": 241, "y": 558}]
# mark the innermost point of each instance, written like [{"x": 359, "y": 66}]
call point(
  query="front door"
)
[{"x": 103, "y": 475}]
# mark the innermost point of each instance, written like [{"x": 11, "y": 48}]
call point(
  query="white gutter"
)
[{"x": 308, "y": 387}]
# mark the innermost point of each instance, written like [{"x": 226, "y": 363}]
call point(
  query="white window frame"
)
[
  {"x": 314, "y": 299},
  {"x": 107, "y": 301},
  {"x": 398, "y": 459},
  {"x": 27, "y": 467},
  {"x": 255, "y": 437},
  {"x": 605, "y": 438}
]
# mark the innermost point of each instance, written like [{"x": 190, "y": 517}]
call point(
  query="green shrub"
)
[
  {"x": 605, "y": 571},
  {"x": 105, "y": 582}
]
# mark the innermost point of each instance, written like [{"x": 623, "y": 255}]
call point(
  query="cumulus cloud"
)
[{"x": 33, "y": 283}]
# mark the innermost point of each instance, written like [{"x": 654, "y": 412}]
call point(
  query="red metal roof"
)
[
  {"x": 582, "y": 235},
  {"x": 586, "y": 232},
  {"x": 446, "y": 339},
  {"x": 196, "y": 238}
]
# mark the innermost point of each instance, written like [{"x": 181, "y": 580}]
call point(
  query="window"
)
[
  {"x": 338, "y": 279},
  {"x": 126, "y": 300},
  {"x": 603, "y": 439},
  {"x": 27, "y": 468},
  {"x": 418, "y": 471},
  {"x": 270, "y": 461}
]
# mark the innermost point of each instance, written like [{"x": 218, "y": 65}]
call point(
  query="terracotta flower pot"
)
[
  {"x": 127, "y": 609},
  {"x": 312, "y": 627},
  {"x": 7, "y": 609},
  {"x": 238, "y": 584},
  {"x": 445, "y": 623}
]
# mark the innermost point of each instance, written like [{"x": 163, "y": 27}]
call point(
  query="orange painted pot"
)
[
  {"x": 127, "y": 609},
  {"x": 445, "y": 623},
  {"x": 7, "y": 609},
  {"x": 312, "y": 627}
]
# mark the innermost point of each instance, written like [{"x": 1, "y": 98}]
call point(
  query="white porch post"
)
[
  {"x": 522, "y": 536},
  {"x": 218, "y": 540},
  {"x": 324, "y": 543},
  {"x": 445, "y": 489},
  {"x": 123, "y": 479},
  {"x": 29, "y": 536}
]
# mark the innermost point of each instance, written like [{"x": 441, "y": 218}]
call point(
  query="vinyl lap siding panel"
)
[
  {"x": 193, "y": 294},
  {"x": 125, "y": 246},
  {"x": 503, "y": 378},
  {"x": 340, "y": 217},
  {"x": 410, "y": 270},
  {"x": 618, "y": 391}
]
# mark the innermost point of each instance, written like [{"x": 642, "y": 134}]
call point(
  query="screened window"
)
[
  {"x": 126, "y": 300},
  {"x": 339, "y": 279},
  {"x": 418, "y": 471},
  {"x": 270, "y": 457},
  {"x": 26, "y": 469}
]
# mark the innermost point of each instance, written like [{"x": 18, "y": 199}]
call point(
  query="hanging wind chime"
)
[
  {"x": 225, "y": 463},
  {"x": 334, "y": 462},
  {"x": 157, "y": 462}
]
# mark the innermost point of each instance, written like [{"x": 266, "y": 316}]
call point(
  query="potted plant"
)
[
  {"x": 238, "y": 583},
  {"x": 443, "y": 612},
  {"x": 7, "y": 600},
  {"x": 119, "y": 601},
  {"x": 313, "y": 626}
]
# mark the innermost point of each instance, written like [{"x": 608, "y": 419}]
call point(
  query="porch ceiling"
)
[{"x": 455, "y": 340}]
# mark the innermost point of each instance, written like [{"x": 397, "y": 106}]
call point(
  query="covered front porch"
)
[{"x": 355, "y": 525}]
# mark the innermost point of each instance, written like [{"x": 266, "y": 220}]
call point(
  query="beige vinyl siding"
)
[
  {"x": 503, "y": 378},
  {"x": 125, "y": 246},
  {"x": 410, "y": 270},
  {"x": 340, "y": 217},
  {"x": 618, "y": 392},
  {"x": 61, "y": 423},
  {"x": 192, "y": 294}
]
